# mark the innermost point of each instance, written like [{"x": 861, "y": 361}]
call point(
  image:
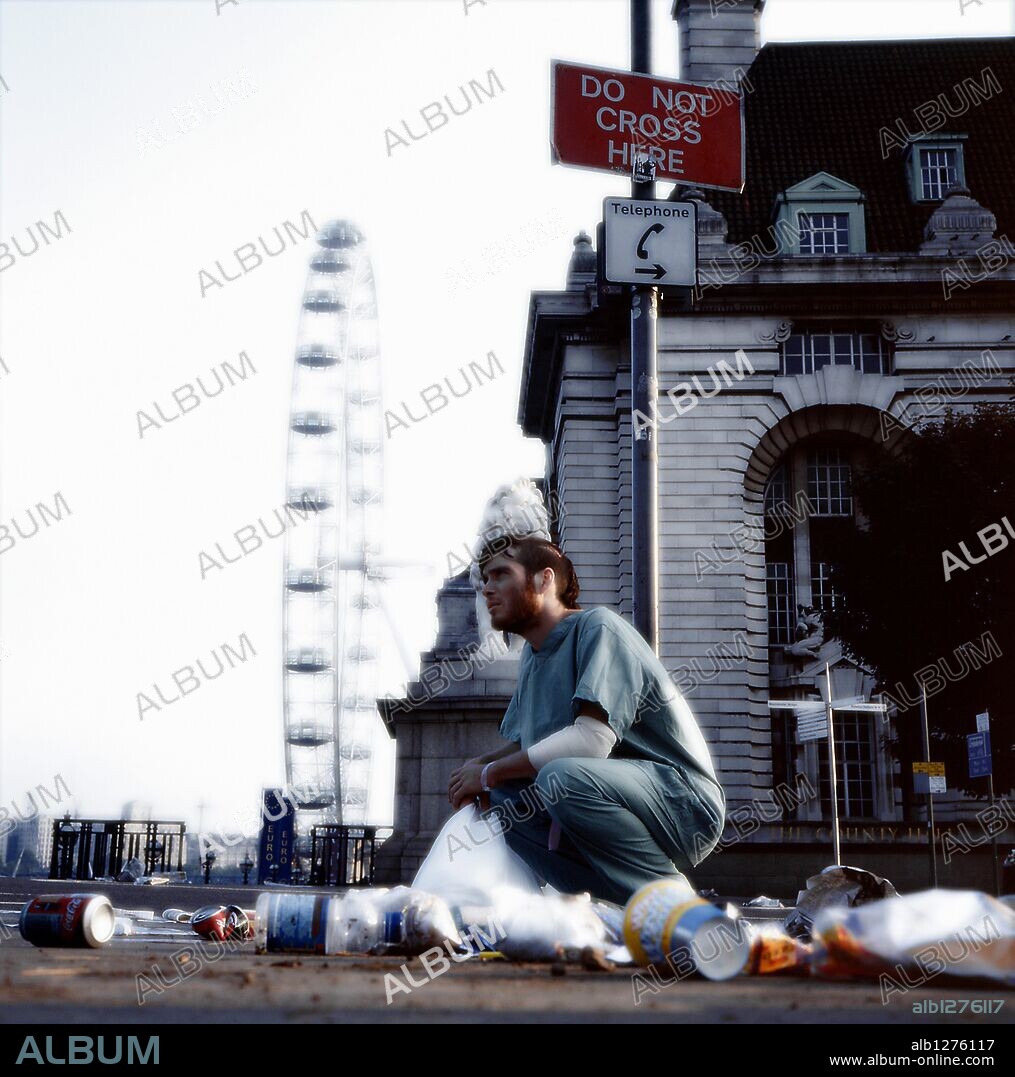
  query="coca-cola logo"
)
[{"x": 71, "y": 914}]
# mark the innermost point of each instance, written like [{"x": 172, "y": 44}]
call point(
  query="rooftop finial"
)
[{"x": 581, "y": 270}]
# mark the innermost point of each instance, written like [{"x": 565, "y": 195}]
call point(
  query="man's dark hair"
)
[{"x": 534, "y": 555}]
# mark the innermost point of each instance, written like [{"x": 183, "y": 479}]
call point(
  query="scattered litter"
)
[
  {"x": 836, "y": 886},
  {"x": 543, "y": 927},
  {"x": 131, "y": 871},
  {"x": 293, "y": 923},
  {"x": 667, "y": 926},
  {"x": 136, "y": 914},
  {"x": 471, "y": 867},
  {"x": 965, "y": 933},
  {"x": 773, "y": 951},
  {"x": 612, "y": 917},
  {"x": 221, "y": 922},
  {"x": 415, "y": 921},
  {"x": 177, "y": 915},
  {"x": 357, "y": 924},
  {"x": 68, "y": 971},
  {"x": 372, "y": 921},
  {"x": 595, "y": 960},
  {"x": 762, "y": 902},
  {"x": 68, "y": 920}
]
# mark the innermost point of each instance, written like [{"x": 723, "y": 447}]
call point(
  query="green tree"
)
[{"x": 903, "y": 619}]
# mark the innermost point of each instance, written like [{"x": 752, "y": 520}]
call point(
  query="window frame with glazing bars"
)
[
  {"x": 777, "y": 637},
  {"x": 836, "y": 499},
  {"x": 914, "y": 158},
  {"x": 865, "y": 768},
  {"x": 807, "y": 351},
  {"x": 809, "y": 231}
]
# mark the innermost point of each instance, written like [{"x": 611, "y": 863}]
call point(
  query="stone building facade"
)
[{"x": 863, "y": 279}]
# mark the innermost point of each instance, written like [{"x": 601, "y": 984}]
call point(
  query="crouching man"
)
[{"x": 620, "y": 785}]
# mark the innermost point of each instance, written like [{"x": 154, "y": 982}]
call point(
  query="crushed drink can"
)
[
  {"x": 221, "y": 922},
  {"x": 68, "y": 920}
]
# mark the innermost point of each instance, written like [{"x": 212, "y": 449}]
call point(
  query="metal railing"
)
[
  {"x": 94, "y": 848},
  {"x": 344, "y": 855}
]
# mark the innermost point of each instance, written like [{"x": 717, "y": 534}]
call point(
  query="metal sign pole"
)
[
  {"x": 830, "y": 710},
  {"x": 644, "y": 460},
  {"x": 990, "y": 790},
  {"x": 931, "y": 837},
  {"x": 993, "y": 840}
]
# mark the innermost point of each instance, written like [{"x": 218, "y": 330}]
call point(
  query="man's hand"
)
[{"x": 465, "y": 783}]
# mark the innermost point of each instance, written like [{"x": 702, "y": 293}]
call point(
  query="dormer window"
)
[
  {"x": 821, "y": 216},
  {"x": 938, "y": 172},
  {"x": 934, "y": 165},
  {"x": 824, "y": 233}
]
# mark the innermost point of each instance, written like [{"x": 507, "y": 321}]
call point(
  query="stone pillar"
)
[{"x": 450, "y": 714}]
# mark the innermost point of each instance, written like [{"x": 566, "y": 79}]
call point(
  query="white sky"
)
[{"x": 110, "y": 318}]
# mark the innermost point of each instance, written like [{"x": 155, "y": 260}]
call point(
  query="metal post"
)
[
  {"x": 644, "y": 460},
  {"x": 993, "y": 837},
  {"x": 990, "y": 790},
  {"x": 54, "y": 857},
  {"x": 931, "y": 836},
  {"x": 829, "y": 711}
]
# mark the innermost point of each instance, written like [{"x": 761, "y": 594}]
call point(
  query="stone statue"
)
[
  {"x": 515, "y": 509},
  {"x": 809, "y": 633}
]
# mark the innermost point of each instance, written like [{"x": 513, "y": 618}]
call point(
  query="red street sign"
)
[{"x": 602, "y": 118}]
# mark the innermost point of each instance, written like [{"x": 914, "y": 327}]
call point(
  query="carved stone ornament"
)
[
  {"x": 779, "y": 334},
  {"x": 809, "y": 634},
  {"x": 892, "y": 333}
]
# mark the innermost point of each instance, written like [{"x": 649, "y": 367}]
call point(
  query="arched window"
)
[{"x": 809, "y": 511}]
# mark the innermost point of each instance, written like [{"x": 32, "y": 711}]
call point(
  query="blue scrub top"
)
[{"x": 595, "y": 655}]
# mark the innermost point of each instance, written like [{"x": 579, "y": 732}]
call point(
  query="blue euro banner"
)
[
  {"x": 978, "y": 745},
  {"x": 278, "y": 839}
]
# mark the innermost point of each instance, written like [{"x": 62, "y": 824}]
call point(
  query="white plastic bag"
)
[
  {"x": 470, "y": 860},
  {"x": 471, "y": 865}
]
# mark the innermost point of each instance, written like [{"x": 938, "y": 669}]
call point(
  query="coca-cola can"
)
[
  {"x": 68, "y": 920},
  {"x": 222, "y": 922}
]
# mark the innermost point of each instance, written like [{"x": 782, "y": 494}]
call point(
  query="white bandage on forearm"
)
[{"x": 587, "y": 738}]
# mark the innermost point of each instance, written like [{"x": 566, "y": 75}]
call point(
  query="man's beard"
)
[{"x": 522, "y": 613}]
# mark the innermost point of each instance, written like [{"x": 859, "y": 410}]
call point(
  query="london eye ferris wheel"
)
[{"x": 337, "y": 629}]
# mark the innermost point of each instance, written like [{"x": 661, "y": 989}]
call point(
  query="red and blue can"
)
[{"x": 68, "y": 920}]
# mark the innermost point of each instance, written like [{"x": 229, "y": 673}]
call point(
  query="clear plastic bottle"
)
[
  {"x": 317, "y": 923},
  {"x": 355, "y": 925}
]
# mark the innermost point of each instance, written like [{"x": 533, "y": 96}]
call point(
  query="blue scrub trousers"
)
[{"x": 616, "y": 829}]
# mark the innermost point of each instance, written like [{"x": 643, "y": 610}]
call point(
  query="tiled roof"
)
[{"x": 820, "y": 107}]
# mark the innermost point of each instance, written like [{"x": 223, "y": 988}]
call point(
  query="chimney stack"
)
[{"x": 717, "y": 37}]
